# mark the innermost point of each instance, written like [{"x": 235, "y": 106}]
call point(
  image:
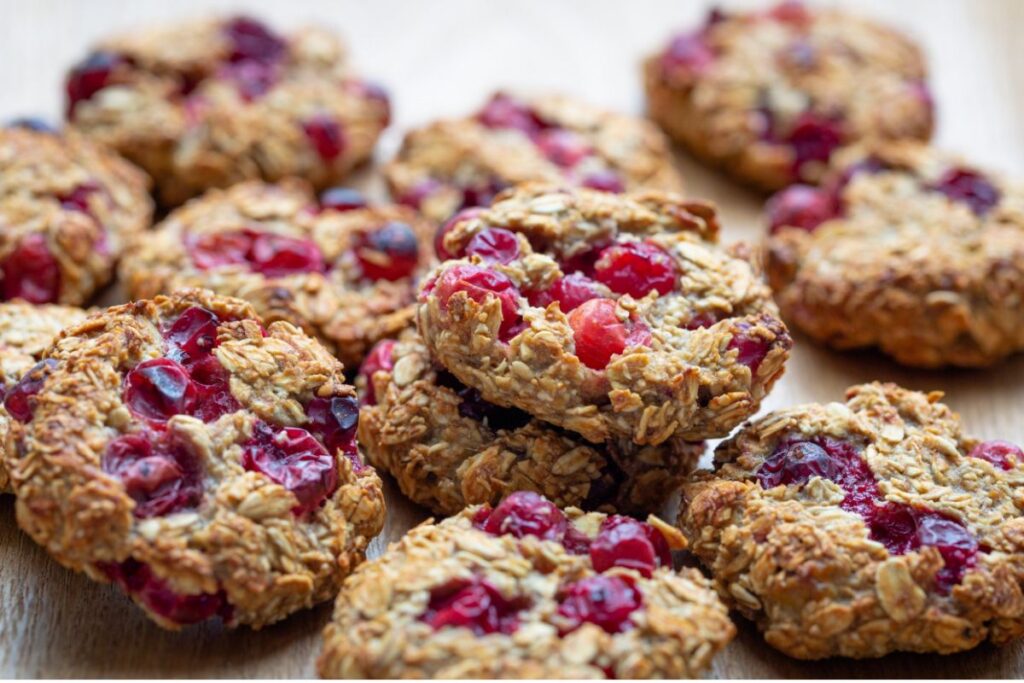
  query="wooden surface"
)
[{"x": 443, "y": 57}]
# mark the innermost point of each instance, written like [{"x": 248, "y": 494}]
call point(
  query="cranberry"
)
[
  {"x": 162, "y": 477},
  {"x": 751, "y": 350},
  {"x": 494, "y": 245},
  {"x": 575, "y": 541},
  {"x": 474, "y": 604},
  {"x": 625, "y": 542},
  {"x": 89, "y": 77},
  {"x": 279, "y": 256},
  {"x": 1000, "y": 453},
  {"x": 32, "y": 123},
  {"x": 252, "y": 79},
  {"x": 504, "y": 111},
  {"x": 481, "y": 194},
  {"x": 813, "y": 139},
  {"x": 214, "y": 391},
  {"x": 327, "y": 136},
  {"x": 799, "y": 206},
  {"x": 583, "y": 262},
  {"x": 688, "y": 52},
  {"x": 390, "y": 252},
  {"x": 31, "y": 272},
  {"x": 252, "y": 40},
  {"x": 701, "y": 320},
  {"x": 138, "y": 581},
  {"x": 335, "y": 420},
  {"x": 605, "y": 181},
  {"x": 379, "y": 359},
  {"x": 18, "y": 401},
  {"x": 599, "y": 334},
  {"x": 796, "y": 462},
  {"x": 606, "y": 601},
  {"x": 219, "y": 249},
  {"x": 496, "y": 417},
  {"x": 957, "y": 545},
  {"x": 791, "y": 12},
  {"x": 563, "y": 147},
  {"x": 78, "y": 198},
  {"x": 449, "y": 225},
  {"x": 159, "y": 389},
  {"x": 893, "y": 525},
  {"x": 193, "y": 335},
  {"x": 480, "y": 284},
  {"x": 569, "y": 292},
  {"x": 525, "y": 513},
  {"x": 291, "y": 457},
  {"x": 969, "y": 187},
  {"x": 342, "y": 199},
  {"x": 636, "y": 268},
  {"x": 419, "y": 192}
]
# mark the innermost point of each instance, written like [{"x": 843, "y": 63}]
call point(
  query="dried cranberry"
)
[
  {"x": 799, "y": 206},
  {"x": 583, "y": 262},
  {"x": 525, "y": 513},
  {"x": 751, "y": 350},
  {"x": 796, "y": 462},
  {"x": 31, "y": 272},
  {"x": 606, "y": 601},
  {"x": 563, "y": 147},
  {"x": 252, "y": 79},
  {"x": 957, "y": 545},
  {"x": 219, "y": 249},
  {"x": 278, "y": 256},
  {"x": 449, "y": 225},
  {"x": 625, "y": 542},
  {"x": 813, "y": 139},
  {"x": 606, "y": 180},
  {"x": 569, "y": 292},
  {"x": 504, "y": 111},
  {"x": 18, "y": 400},
  {"x": 689, "y": 52},
  {"x": 252, "y": 40},
  {"x": 474, "y": 604},
  {"x": 139, "y": 581},
  {"x": 192, "y": 335},
  {"x": 575, "y": 541},
  {"x": 970, "y": 187},
  {"x": 335, "y": 420},
  {"x": 293, "y": 458},
  {"x": 494, "y": 245},
  {"x": 342, "y": 199},
  {"x": 214, "y": 391},
  {"x": 1000, "y": 453},
  {"x": 390, "y": 252},
  {"x": 327, "y": 136},
  {"x": 379, "y": 359},
  {"x": 159, "y": 389},
  {"x": 893, "y": 525},
  {"x": 480, "y": 284},
  {"x": 89, "y": 77},
  {"x": 599, "y": 334},
  {"x": 636, "y": 268},
  {"x": 161, "y": 476},
  {"x": 78, "y": 198}
]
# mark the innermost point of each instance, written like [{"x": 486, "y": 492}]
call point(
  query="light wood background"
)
[{"x": 442, "y": 58}]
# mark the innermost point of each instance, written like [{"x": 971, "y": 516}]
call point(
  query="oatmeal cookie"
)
[
  {"x": 614, "y": 316},
  {"x": 26, "y": 330},
  {"x": 458, "y": 163},
  {"x": 769, "y": 95},
  {"x": 907, "y": 249},
  {"x": 339, "y": 268},
  {"x": 524, "y": 590},
  {"x": 66, "y": 209},
  {"x": 204, "y": 463},
  {"x": 865, "y": 527},
  {"x": 448, "y": 448},
  {"x": 212, "y": 102}
]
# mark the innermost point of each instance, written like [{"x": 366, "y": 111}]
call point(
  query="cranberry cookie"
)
[
  {"x": 205, "y": 464},
  {"x": 460, "y": 163},
  {"x": 66, "y": 208},
  {"x": 26, "y": 331},
  {"x": 907, "y": 249},
  {"x": 865, "y": 528},
  {"x": 212, "y": 102},
  {"x": 768, "y": 95},
  {"x": 339, "y": 268},
  {"x": 526, "y": 591},
  {"x": 614, "y": 316},
  {"x": 449, "y": 448}
]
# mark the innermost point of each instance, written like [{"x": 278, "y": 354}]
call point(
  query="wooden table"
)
[{"x": 441, "y": 58}]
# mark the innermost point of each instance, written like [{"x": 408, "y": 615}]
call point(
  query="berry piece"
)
[
  {"x": 464, "y": 215},
  {"x": 78, "y": 198},
  {"x": 569, "y": 292},
  {"x": 193, "y": 335},
  {"x": 139, "y": 581},
  {"x": 606, "y": 601},
  {"x": 252, "y": 40},
  {"x": 563, "y": 147},
  {"x": 969, "y": 187},
  {"x": 751, "y": 350},
  {"x": 342, "y": 199},
  {"x": 688, "y": 52},
  {"x": 474, "y": 604},
  {"x": 89, "y": 77},
  {"x": 480, "y": 284},
  {"x": 525, "y": 513},
  {"x": 605, "y": 181},
  {"x": 957, "y": 545},
  {"x": 31, "y": 272},
  {"x": 813, "y": 139},
  {"x": 291, "y": 457},
  {"x": 390, "y": 252},
  {"x": 625, "y": 542},
  {"x": 327, "y": 136},
  {"x": 379, "y": 359},
  {"x": 481, "y": 194},
  {"x": 795, "y": 463},
  {"x": 504, "y": 111},
  {"x": 599, "y": 334},
  {"x": 252, "y": 79},
  {"x": 161, "y": 477},
  {"x": 159, "y": 389},
  {"x": 799, "y": 206},
  {"x": 268, "y": 253},
  {"x": 214, "y": 391},
  {"x": 334, "y": 420},
  {"x": 494, "y": 245},
  {"x": 1000, "y": 453},
  {"x": 635, "y": 268},
  {"x": 18, "y": 401}
]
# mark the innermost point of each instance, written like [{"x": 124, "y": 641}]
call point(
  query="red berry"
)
[
  {"x": 474, "y": 604},
  {"x": 342, "y": 199},
  {"x": 391, "y": 252},
  {"x": 276, "y": 255},
  {"x": 636, "y": 268},
  {"x": 969, "y": 187},
  {"x": 563, "y": 147},
  {"x": 606, "y": 601},
  {"x": 291, "y": 457},
  {"x": 503, "y": 111},
  {"x": 525, "y": 513},
  {"x": 466, "y": 214},
  {"x": 790, "y": 11},
  {"x": 625, "y": 542},
  {"x": 31, "y": 272},
  {"x": 89, "y": 77},
  {"x": 569, "y": 292},
  {"x": 252, "y": 40},
  {"x": 481, "y": 194},
  {"x": 18, "y": 401},
  {"x": 334, "y": 420},
  {"x": 218, "y": 249},
  {"x": 688, "y": 52},
  {"x": 1000, "y": 453},
  {"x": 605, "y": 181},
  {"x": 494, "y": 245},
  {"x": 751, "y": 350},
  {"x": 214, "y": 391},
  {"x": 799, "y": 206},
  {"x": 379, "y": 359},
  {"x": 813, "y": 139},
  {"x": 78, "y": 198},
  {"x": 159, "y": 389},
  {"x": 479, "y": 284},
  {"x": 138, "y": 581},
  {"x": 161, "y": 477},
  {"x": 192, "y": 335},
  {"x": 327, "y": 136},
  {"x": 957, "y": 545},
  {"x": 252, "y": 79},
  {"x": 598, "y": 333}
]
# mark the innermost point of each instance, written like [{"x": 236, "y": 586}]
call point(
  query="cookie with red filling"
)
[
  {"x": 865, "y": 527},
  {"x": 525, "y": 590},
  {"x": 67, "y": 208},
  {"x": 208, "y": 464},
  {"x": 212, "y": 102},
  {"x": 904, "y": 248},
  {"x": 768, "y": 95},
  {"x": 614, "y": 316},
  {"x": 338, "y": 267},
  {"x": 454, "y": 164}
]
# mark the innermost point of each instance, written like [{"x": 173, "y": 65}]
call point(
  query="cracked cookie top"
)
[
  {"x": 341, "y": 269},
  {"x": 459, "y": 163},
  {"x": 769, "y": 95},
  {"x": 448, "y": 448},
  {"x": 614, "y": 316},
  {"x": 524, "y": 590},
  {"x": 67, "y": 208},
  {"x": 208, "y": 465},
  {"x": 865, "y": 527},
  {"x": 905, "y": 248},
  {"x": 211, "y": 102}
]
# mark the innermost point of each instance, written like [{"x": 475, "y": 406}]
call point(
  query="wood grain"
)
[{"x": 442, "y": 58}]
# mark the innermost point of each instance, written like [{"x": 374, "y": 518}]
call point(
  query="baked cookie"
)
[
  {"x": 26, "y": 330},
  {"x": 458, "y": 163},
  {"x": 768, "y": 95},
  {"x": 66, "y": 209},
  {"x": 212, "y": 102},
  {"x": 526, "y": 591},
  {"x": 865, "y": 527},
  {"x": 614, "y": 316},
  {"x": 448, "y": 448},
  {"x": 907, "y": 249},
  {"x": 208, "y": 465},
  {"x": 339, "y": 268}
]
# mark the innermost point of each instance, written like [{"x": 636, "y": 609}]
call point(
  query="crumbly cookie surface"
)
[
  {"x": 67, "y": 208},
  {"x": 459, "y": 163},
  {"x": 212, "y": 102},
  {"x": 448, "y": 448},
  {"x": 206, "y": 464},
  {"x": 865, "y": 527},
  {"x": 769, "y": 95},
  {"x": 525, "y": 591},
  {"x": 614, "y": 316},
  {"x": 907, "y": 249},
  {"x": 341, "y": 269}
]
